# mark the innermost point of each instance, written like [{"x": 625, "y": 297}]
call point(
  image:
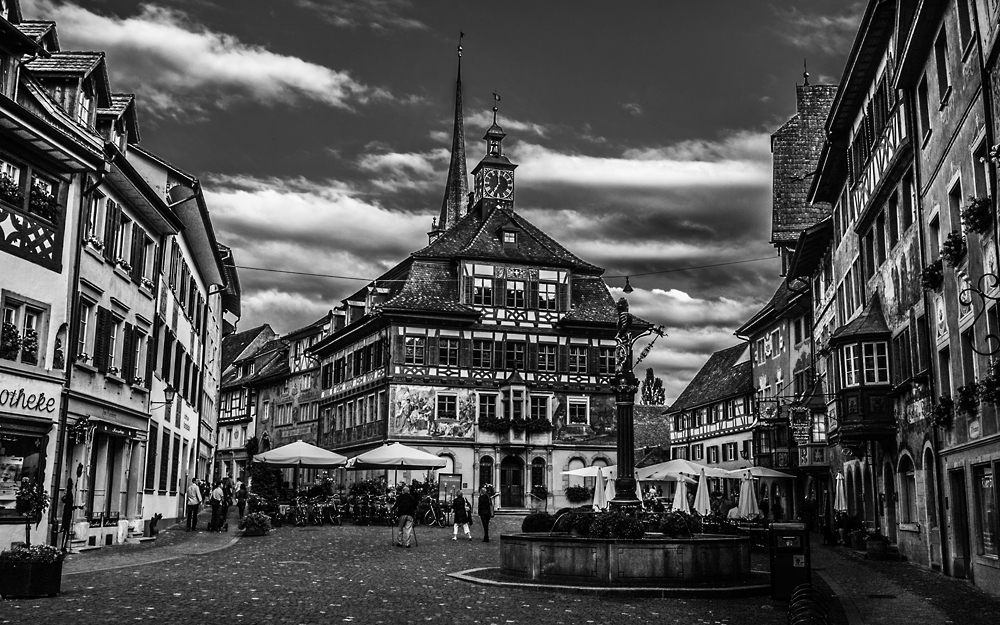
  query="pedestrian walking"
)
[
  {"x": 227, "y": 501},
  {"x": 406, "y": 508},
  {"x": 215, "y": 500},
  {"x": 486, "y": 510},
  {"x": 462, "y": 511},
  {"x": 241, "y": 498},
  {"x": 194, "y": 499}
]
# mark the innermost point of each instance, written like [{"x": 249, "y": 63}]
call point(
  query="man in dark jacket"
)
[
  {"x": 486, "y": 510},
  {"x": 406, "y": 507}
]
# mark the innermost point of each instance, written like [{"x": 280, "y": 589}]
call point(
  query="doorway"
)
[
  {"x": 960, "y": 525},
  {"x": 512, "y": 482}
]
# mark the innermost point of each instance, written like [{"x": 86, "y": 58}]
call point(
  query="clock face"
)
[{"x": 498, "y": 183}]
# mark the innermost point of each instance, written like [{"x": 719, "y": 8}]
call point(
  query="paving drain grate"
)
[{"x": 881, "y": 596}]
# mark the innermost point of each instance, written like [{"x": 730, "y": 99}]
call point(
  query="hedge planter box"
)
[
  {"x": 255, "y": 531},
  {"x": 877, "y": 549},
  {"x": 31, "y": 579},
  {"x": 611, "y": 562}
]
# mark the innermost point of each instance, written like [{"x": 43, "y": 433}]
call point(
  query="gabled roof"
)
[
  {"x": 234, "y": 345},
  {"x": 810, "y": 250},
  {"x": 123, "y": 105},
  {"x": 650, "y": 426},
  {"x": 724, "y": 376},
  {"x": 308, "y": 329},
  {"x": 591, "y": 302},
  {"x": 38, "y": 30},
  {"x": 781, "y": 301},
  {"x": 475, "y": 238},
  {"x": 76, "y": 63}
]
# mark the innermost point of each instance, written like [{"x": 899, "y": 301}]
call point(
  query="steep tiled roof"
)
[
  {"x": 720, "y": 378},
  {"x": 309, "y": 328},
  {"x": 796, "y": 148},
  {"x": 472, "y": 238},
  {"x": 871, "y": 322},
  {"x": 234, "y": 344},
  {"x": 782, "y": 298},
  {"x": 429, "y": 286},
  {"x": 67, "y": 62},
  {"x": 650, "y": 426},
  {"x": 591, "y": 301},
  {"x": 36, "y": 29},
  {"x": 119, "y": 102}
]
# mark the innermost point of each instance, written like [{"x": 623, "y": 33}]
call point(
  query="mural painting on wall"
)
[
  {"x": 415, "y": 412},
  {"x": 602, "y": 426}
]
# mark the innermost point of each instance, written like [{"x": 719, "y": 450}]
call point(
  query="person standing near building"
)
[
  {"x": 406, "y": 508},
  {"x": 241, "y": 498},
  {"x": 485, "y": 511},
  {"x": 215, "y": 499},
  {"x": 194, "y": 500},
  {"x": 462, "y": 510},
  {"x": 227, "y": 501}
]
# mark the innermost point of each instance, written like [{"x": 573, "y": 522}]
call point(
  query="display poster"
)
[
  {"x": 448, "y": 486},
  {"x": 10, "y": 470}
]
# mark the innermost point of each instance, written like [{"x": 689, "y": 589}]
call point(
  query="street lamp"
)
[{"x": 168, "y": 395}]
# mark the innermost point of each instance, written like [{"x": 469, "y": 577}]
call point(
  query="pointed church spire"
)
[{"x": 456, "y": 190}]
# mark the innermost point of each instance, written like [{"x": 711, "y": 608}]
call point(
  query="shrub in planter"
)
[
  {"x": 31, "y": 571},
  {"x": 579, "y": 494},
  {"x": 978, "y": 215},
  {"x": 616, "y": 524},
  {"x": 858, "y": 539},
  {"x": 574, "y": 520},
  {"x": 538, "y": 522},
  {"x": 499, "y": 425},
  {"x": 932, "y": 276},
  {"x": 876, "y": 546},
  {"x": 10, "y": 341},
  {"x": 255, "y": 524},
  {"x": 954, "y": 247},
  {"x": 539, "y": 491},
  {"x": 678, "y": 524}
]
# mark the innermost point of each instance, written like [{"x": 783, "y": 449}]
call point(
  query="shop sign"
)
[
  {"x": 800, "y": 426},
  {"x": 29, "y": 397}
]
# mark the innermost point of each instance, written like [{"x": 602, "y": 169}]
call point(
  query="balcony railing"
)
[{"x": 892, "y": 139}]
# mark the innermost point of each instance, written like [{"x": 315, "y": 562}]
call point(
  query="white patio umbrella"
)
[
  {"x": 609, "y": 489},
  {"x": 680, "y": 498},
  {"x": 759, "y": 472},
  {"x": 395, "y": 456},
  {"x": 702, "y": 501},
  {"x": 840, "y": 496},
  {"x": 592, "y": 471},
  {"x": 301, "y": 454},
  {"x": 600, "y": 497},
  {"x": 670, "y": 469},
  {"x": 748, "y": 499}
]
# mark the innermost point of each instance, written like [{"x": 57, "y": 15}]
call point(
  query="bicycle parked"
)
[{"x": 432, "y": 512}]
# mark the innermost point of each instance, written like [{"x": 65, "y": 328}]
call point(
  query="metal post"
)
[{"x": 625, "y": 385}]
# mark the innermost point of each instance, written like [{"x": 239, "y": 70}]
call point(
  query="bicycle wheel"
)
[{"x": 430, "y": 518}]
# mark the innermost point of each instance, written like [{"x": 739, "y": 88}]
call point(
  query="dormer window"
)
[
  {"x": 83, "y": 109},
  {"x": 509, "y": 238}
]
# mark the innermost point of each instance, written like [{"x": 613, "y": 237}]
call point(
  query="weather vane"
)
[
  {"x": 496, "y": 98},
  {"x": 461, "y": 36}
]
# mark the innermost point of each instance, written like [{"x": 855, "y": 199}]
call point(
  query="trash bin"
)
[{"x": 790, "y": 563}]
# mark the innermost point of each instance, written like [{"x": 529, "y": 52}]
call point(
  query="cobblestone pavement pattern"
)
[{"x": 337, "y": 574}]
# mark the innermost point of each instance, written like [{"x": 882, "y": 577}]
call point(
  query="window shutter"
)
[
  {"x": 593, "y": 358},
  {"x": 464, "y": 352},
  {"x": 109, "y": 229},
  {"x": 398, "y": 349},
  {"x": 102, "y": 339},
  {"x": 498, "y": 362},
  {"x": 532, "y": 295},
  {"x": 127, "y": 356},
  {"x": 563, "y": 353},
  {"x": 467, "y": 288},
  {"x": 499, "y": 295},
  {"x": 196, "y": 388},
  {"x": 562, "y": 292},
  {"x": 138, "y": 247},
  {"x": 157, "y": 261},
  {"x": 178, "y": 365},
  {"x": 151, "y": 344},
  {"x": 532, "y": 356}
]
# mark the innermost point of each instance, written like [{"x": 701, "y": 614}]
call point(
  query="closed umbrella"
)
[
  {"x": 840, "y": 497},
  {"x": 600, "y": 498},
  {"x": 609, "y": 489},
  {"x": 680, "y": 498},
  {"x": 702, "y": 502},
  {"x": 748, "y": 507}
]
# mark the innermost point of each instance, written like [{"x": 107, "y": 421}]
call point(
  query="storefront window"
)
[
  {"x": 986, "y": 511},
  {"x": 20, "y": 458}
]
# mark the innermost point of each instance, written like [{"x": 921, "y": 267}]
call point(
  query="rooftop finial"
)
[
  {"x": 461, "y": 36},
  {"x": 496, "y": 98},
  {"x": 805, "y": 72}
]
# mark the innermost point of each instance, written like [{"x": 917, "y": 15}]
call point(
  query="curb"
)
[
  {"x": 843, "y": 599},
  {"x": 614, "y": 591},
  {"x": 175, "y": 556}
]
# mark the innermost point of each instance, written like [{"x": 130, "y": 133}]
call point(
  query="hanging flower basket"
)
[
  {"x": 978, "y": 215},
  {"x": 932, "y": 277},
  {"x": 943, "y": 412},
  {"x": 968, "y": 398},
  {"x": 953, "y": 249}
]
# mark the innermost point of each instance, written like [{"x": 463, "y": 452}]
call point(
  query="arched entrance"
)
[
  {"x": 512, "y": 482},
  {"x": 486, "y": 471}
]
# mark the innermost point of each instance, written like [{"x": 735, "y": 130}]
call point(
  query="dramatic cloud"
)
[
  {"x": 814, "y": 32},
  {"x": 633, "y": 108},
  {"x": 180, "y": 67},
  {"x": 484, "y": 119},
  {"x": 379, "y": 15}
]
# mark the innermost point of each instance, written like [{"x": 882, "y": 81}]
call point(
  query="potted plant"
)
[
  {"x": 943, "y": 411},
  {"x": 876, "y": 546},
  {"x": 978, "y": 215},
  {"x": 255, "y": 524},
  {"x": 858, "y": 538},
  {"x": 42, "y": 203},
  {"x": 539, "y": 425},
  {"x": 579, "y": 494},
  {"x": 9, "y": 191},
  {"x": 954, "y": 247},
  {"x": 968, "y": 398},
  {"x": 10, "y": 341},
  {"x": 31, "y": 571},
  {"x": 29, "y": 347},
  {"x": 31, "y": 502},
  {"x": 932, "y": 276}
]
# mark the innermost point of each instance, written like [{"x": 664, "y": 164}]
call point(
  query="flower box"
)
[
  {"x": 30, "y": 579},
  {"x": 254, "y": 531}
]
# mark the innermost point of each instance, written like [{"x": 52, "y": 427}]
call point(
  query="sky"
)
[{"x": 321, "y": 132}]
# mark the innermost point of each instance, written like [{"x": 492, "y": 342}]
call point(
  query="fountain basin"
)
[{"x": 657, "y": 561}]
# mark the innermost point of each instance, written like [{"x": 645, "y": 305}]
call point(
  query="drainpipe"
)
[{"x": 72, "y": 338}]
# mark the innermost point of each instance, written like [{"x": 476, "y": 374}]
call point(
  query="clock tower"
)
[{"x": 494, "y": 175}]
